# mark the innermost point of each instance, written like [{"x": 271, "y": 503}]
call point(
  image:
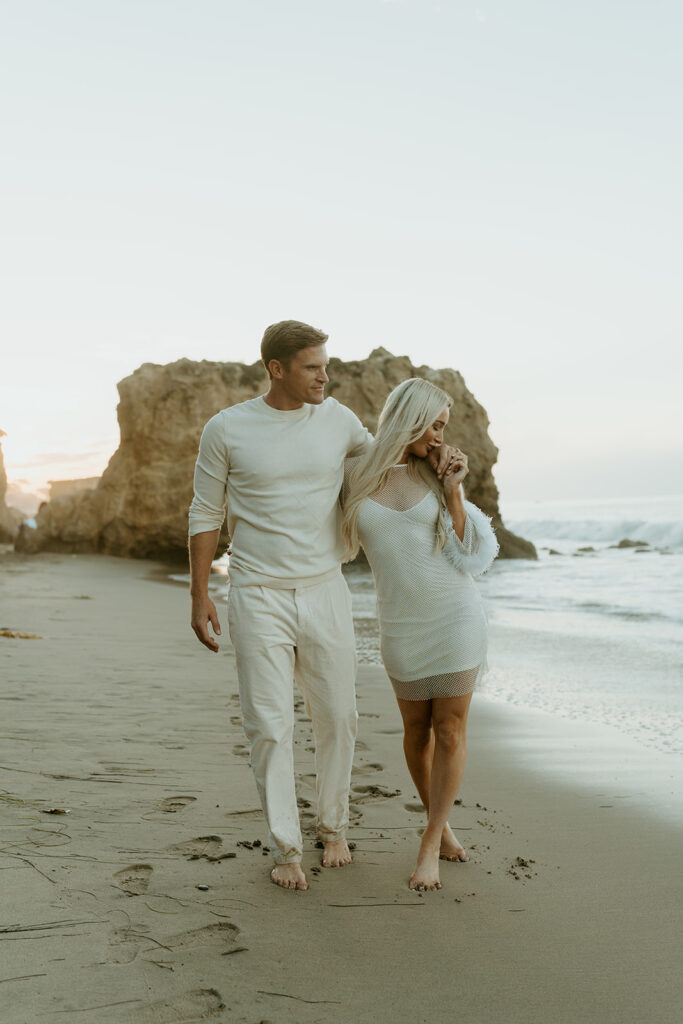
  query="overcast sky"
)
[{"x": 489, "y": 186}]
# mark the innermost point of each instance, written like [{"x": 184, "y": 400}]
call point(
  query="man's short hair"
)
[{"x": 283, "y": 340}]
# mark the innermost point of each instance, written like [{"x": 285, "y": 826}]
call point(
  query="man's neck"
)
[{"x": 279, "y": 399}]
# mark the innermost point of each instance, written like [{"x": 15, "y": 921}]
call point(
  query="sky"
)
[{"x": 492, "y": 186}]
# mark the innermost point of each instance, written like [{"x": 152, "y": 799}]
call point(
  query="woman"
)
[{"x": 423, "y": 543}]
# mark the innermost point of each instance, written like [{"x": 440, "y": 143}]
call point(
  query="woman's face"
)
[{"x": 432, "y": 437}]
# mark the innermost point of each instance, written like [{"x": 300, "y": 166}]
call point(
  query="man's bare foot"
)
[
  {"x": 425, "y": 877},
  {"x": 289, "y": 876},
  {"x": 336, "y": 854},
  {"x": 451, "y": 849}
]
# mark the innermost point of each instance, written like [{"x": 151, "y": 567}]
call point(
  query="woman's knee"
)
[
  {"x": 450, "y": 734},
  {"x": 417, "y": 736}
]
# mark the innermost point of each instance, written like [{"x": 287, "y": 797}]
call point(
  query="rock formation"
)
[
  {"x": 58, "y": 488},
  {"x": 139, "y": 507},
  {"x": 9, "y": 517}
]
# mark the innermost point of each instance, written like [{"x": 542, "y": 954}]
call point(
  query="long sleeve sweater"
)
[{"x": 281, "y": 473}]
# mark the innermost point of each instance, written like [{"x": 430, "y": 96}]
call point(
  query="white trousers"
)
[{"x": 305, "y": 635}]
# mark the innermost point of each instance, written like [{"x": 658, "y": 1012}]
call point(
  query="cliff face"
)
[
  {"x": 58, "y": 488},
  {"x": 9, "y": 517},
  {"x": 139, "y": 507}
]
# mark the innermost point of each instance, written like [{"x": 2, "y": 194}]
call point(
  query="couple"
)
[{"x": 306, "y": 484}]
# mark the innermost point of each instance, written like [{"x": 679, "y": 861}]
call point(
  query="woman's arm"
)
[
  {"x": 471, "y": 545},
  {"x": 476, "y": 550},
  {"x": 453, "y": 493}
]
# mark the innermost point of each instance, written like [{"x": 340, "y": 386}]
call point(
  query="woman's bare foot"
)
[
  {"x": 336, "y": 854},
  {"x": 425, "y": 877},
  {"x": 289, "y": 876},
  {"x": 450, "y": 847}
]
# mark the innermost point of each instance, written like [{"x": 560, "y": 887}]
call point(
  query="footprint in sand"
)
[
  {"x": 415, "y": 808},
  {"x": 363, "y": 794},
  {"x": 198, "y": 1004},
  {"x": 173, "y": 804},
  {"x": 128, "y": 942},
  {"x": 202, "y": 848},
  {"x": 220, "y": 934},
  {"x": 367, "y": 769},
  {"x": 134, "y": 879},
  {"x": 251, "y": 815}
]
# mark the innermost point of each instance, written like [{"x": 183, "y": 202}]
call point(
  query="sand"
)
[{"x": 565, "y": 913}]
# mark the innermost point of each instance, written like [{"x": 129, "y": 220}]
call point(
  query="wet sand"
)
[{"x": 565, "y": 912}]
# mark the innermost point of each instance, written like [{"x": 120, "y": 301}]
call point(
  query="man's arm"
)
[
  {"x": 202, "y": 550},
  {"x": 207, "y": 513},
  {"x": 360, "y": 437}
]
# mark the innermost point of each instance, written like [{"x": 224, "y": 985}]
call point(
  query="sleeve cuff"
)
[
  {"x": 475, "y": 553},
  {"x": 204, "y": 518}
]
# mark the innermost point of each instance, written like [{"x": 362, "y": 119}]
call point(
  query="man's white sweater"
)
[{"x": 281, "y": 473}]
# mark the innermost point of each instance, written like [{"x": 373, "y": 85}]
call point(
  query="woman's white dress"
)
[{"x": 432, "y": 622}]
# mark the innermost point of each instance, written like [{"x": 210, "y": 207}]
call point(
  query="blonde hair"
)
[{"x": 408, "y": 411}]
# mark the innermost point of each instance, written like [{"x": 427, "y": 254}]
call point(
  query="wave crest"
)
[{"x": 657, "y": 534}]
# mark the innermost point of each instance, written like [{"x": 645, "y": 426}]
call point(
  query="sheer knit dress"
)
[{"x": 432, "y": 622}]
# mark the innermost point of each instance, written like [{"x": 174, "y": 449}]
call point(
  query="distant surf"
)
[
  {"x": 657, "y": 522},
  {"x": 593, "y": 635}
]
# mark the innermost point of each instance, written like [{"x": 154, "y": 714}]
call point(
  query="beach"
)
[{"x": 113, "y": 712}]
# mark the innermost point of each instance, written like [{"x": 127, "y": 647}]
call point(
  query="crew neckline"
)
[{"x": 290, "y": 414}]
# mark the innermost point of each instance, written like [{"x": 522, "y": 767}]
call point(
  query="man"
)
[{"x": 279, "y": 461}]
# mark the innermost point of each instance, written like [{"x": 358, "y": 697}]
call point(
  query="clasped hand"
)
[{"x": 450, "y": 465}]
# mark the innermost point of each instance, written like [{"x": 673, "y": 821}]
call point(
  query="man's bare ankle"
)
[
  {"x": 336, "y": 853},
  {"x": 289, "y": 876}
]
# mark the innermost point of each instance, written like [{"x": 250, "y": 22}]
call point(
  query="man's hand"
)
[
  {"x": 442, "y": 459},
  {"x": 203, "y": 613}
]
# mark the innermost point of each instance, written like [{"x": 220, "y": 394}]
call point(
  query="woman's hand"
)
[
  {"x": 455, "y": 474},
  {"x": 441, "y": 459}
]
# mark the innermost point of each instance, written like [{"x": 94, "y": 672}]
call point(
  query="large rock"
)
[
  {"x": 139, "y": 507},
  {"x": 9, "y": 517},
  {"x": 58, "y": 488}
]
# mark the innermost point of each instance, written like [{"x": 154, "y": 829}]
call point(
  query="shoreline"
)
[
  {"x": 524, "y": 648},
  {"x": 151, "y": 764}
]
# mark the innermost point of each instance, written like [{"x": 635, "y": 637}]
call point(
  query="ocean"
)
[
  {"x": 591, "y": 635},
  {"x": 590, "y": 632}
]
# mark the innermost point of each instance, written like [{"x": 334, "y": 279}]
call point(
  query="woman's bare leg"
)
[
  {"x": 418, "y": 743},
  {"x": 418, "y": 746},
  {"x": 449, "y": 722}
]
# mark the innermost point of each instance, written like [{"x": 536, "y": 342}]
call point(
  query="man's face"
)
[{"x": 305, "y": 378}]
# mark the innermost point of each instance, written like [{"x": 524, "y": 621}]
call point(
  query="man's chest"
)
[{"x": 288, "y": 460}]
